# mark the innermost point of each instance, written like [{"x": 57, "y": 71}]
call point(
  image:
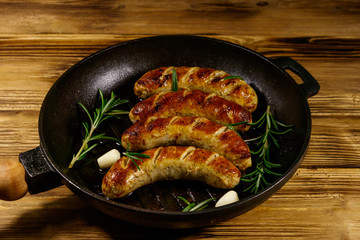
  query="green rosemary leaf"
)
[
  {"x": 284, "y": 125},
  {"x": 138, "y": 154},
  {"x": 250, "y": 174},
  {"x": 118, "y": 102},
  {"x": 252, "y": 186},
  {"x": 86, "y": 127},
  {"x": 135, "y": 156},
  {"x": 281, "y": 133},
  {"x": 272, "y": 173},
  {"x": 111, "y": 138},
  {"x": 232, "y": 77},
  {"x": 103, "y": 119},
  {"x": 188, "y": 207},
  {"x": 96, "y": 137},
  {"x": 240, "y": 123},
  {"x": 271, "y": 165},
  {"x": 267, "y": 153},
  {"x": 132, "y": 157},
  {"x": 82, "y": 155},
  {"x": 203, "y": 207},
  {"x": 258, "y": 151},
  {"x": 86, "y": 111},
  {"x": 135, "y": 163},
  {"x": 184, "y": 200},
  {"x": 102, "y": 99},
  {"x": 233, "y": 129},
  {"x": 246, "y": 180},
  {"x": 264, "y": 181},
  {"x": 258, "y": 181},
  {"x": 263, "y": 121},
  {"x": 117, "y": 112},
  {"x": 273, "y": 121},
  {"x": 205, "y": 202},
  {"x": 265, "y": 137},
  {"x": 257, "y": 123},
  {"x": 268, "y": 121},
  {"x": 103, "y": 137},
  {"x": 274, "y": 140},
  {"x": 107, "y": 105},
  {"x": 254, "y": 139},
  {"x": 259, "y": 169},
  {"x": 255, "y": 186},
  {"x": 174, "y": 80}
]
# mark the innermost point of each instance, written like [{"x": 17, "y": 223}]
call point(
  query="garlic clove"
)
[
  {"x": 108, "y": 159},
  {"x": 227, "y": 198}
]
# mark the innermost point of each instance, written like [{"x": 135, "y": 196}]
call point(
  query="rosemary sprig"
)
[
  {"x": 190, "y": 207},
  {"x": 174, "y": 87},
  {"x": 135, "y": 156},
  {"x": 232, "y": 77},
  {"x": 263, "y": 168},
  {"x": 104, "y": 112}
]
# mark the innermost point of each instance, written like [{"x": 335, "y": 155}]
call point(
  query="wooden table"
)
[{"x": 40, "y": 39}]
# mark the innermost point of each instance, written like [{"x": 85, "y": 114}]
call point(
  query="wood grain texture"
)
[
  {"x": 190, "y": 17},
  {"x": 41, "y": 39},
  {"x": 315, "y": 203}
]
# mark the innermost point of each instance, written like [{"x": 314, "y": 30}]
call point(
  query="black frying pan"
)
[{"x": 116, "y": 69}]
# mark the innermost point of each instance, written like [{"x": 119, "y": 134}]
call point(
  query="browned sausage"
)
[
  {"x": 191, "y": 104},
  {"x": 170, "y": 163},
  {"x": 205, "y": 79},
  {"x": 194, "y": 131}
]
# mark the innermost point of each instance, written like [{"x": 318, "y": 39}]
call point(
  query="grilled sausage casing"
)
[
  {"x": 190, "y": 104},
  {"x": 170, "y": 163},
  {"x": 205, "y": 79},
  {"x": 199, "y": 132}
]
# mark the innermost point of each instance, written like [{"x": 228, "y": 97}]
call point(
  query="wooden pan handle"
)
[{"x": 12, "y": 180}]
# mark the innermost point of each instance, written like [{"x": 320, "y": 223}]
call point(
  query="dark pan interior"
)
[{"x": 116, "y": 69}]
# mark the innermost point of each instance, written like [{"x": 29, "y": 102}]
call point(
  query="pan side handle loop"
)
[
  {"x": 39, "y": 175},
  {"x": 310, "y": 87}
]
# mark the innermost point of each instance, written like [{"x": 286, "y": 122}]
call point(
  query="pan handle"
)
[
  {"x": 12, "y": 180},
  {"x": 39, "y": 175},
  {"x": 310, "y": 87}
]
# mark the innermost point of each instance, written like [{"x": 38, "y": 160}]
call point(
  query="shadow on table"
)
[{"x": 69, "y": 217}]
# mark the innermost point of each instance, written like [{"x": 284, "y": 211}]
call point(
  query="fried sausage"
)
[
  {"x": 170, "y": 163},
  {"x": 199, "y": 132},
  {"x": 194, "y": 103},
  {"x": 204, "y": 79}
]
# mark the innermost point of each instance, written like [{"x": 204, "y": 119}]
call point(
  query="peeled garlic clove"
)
[
  {"x": 228, "y": 198},
  {"x": 108, "y": 159}
]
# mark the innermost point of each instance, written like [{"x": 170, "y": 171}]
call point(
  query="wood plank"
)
[
  {"x": 18, "y": 133},
  {"x": 331, "y": 146},
  {"x": 81, "y": 45},
  {"x": 272, "y": 17},
  {"x": 318, "y": 203}
]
